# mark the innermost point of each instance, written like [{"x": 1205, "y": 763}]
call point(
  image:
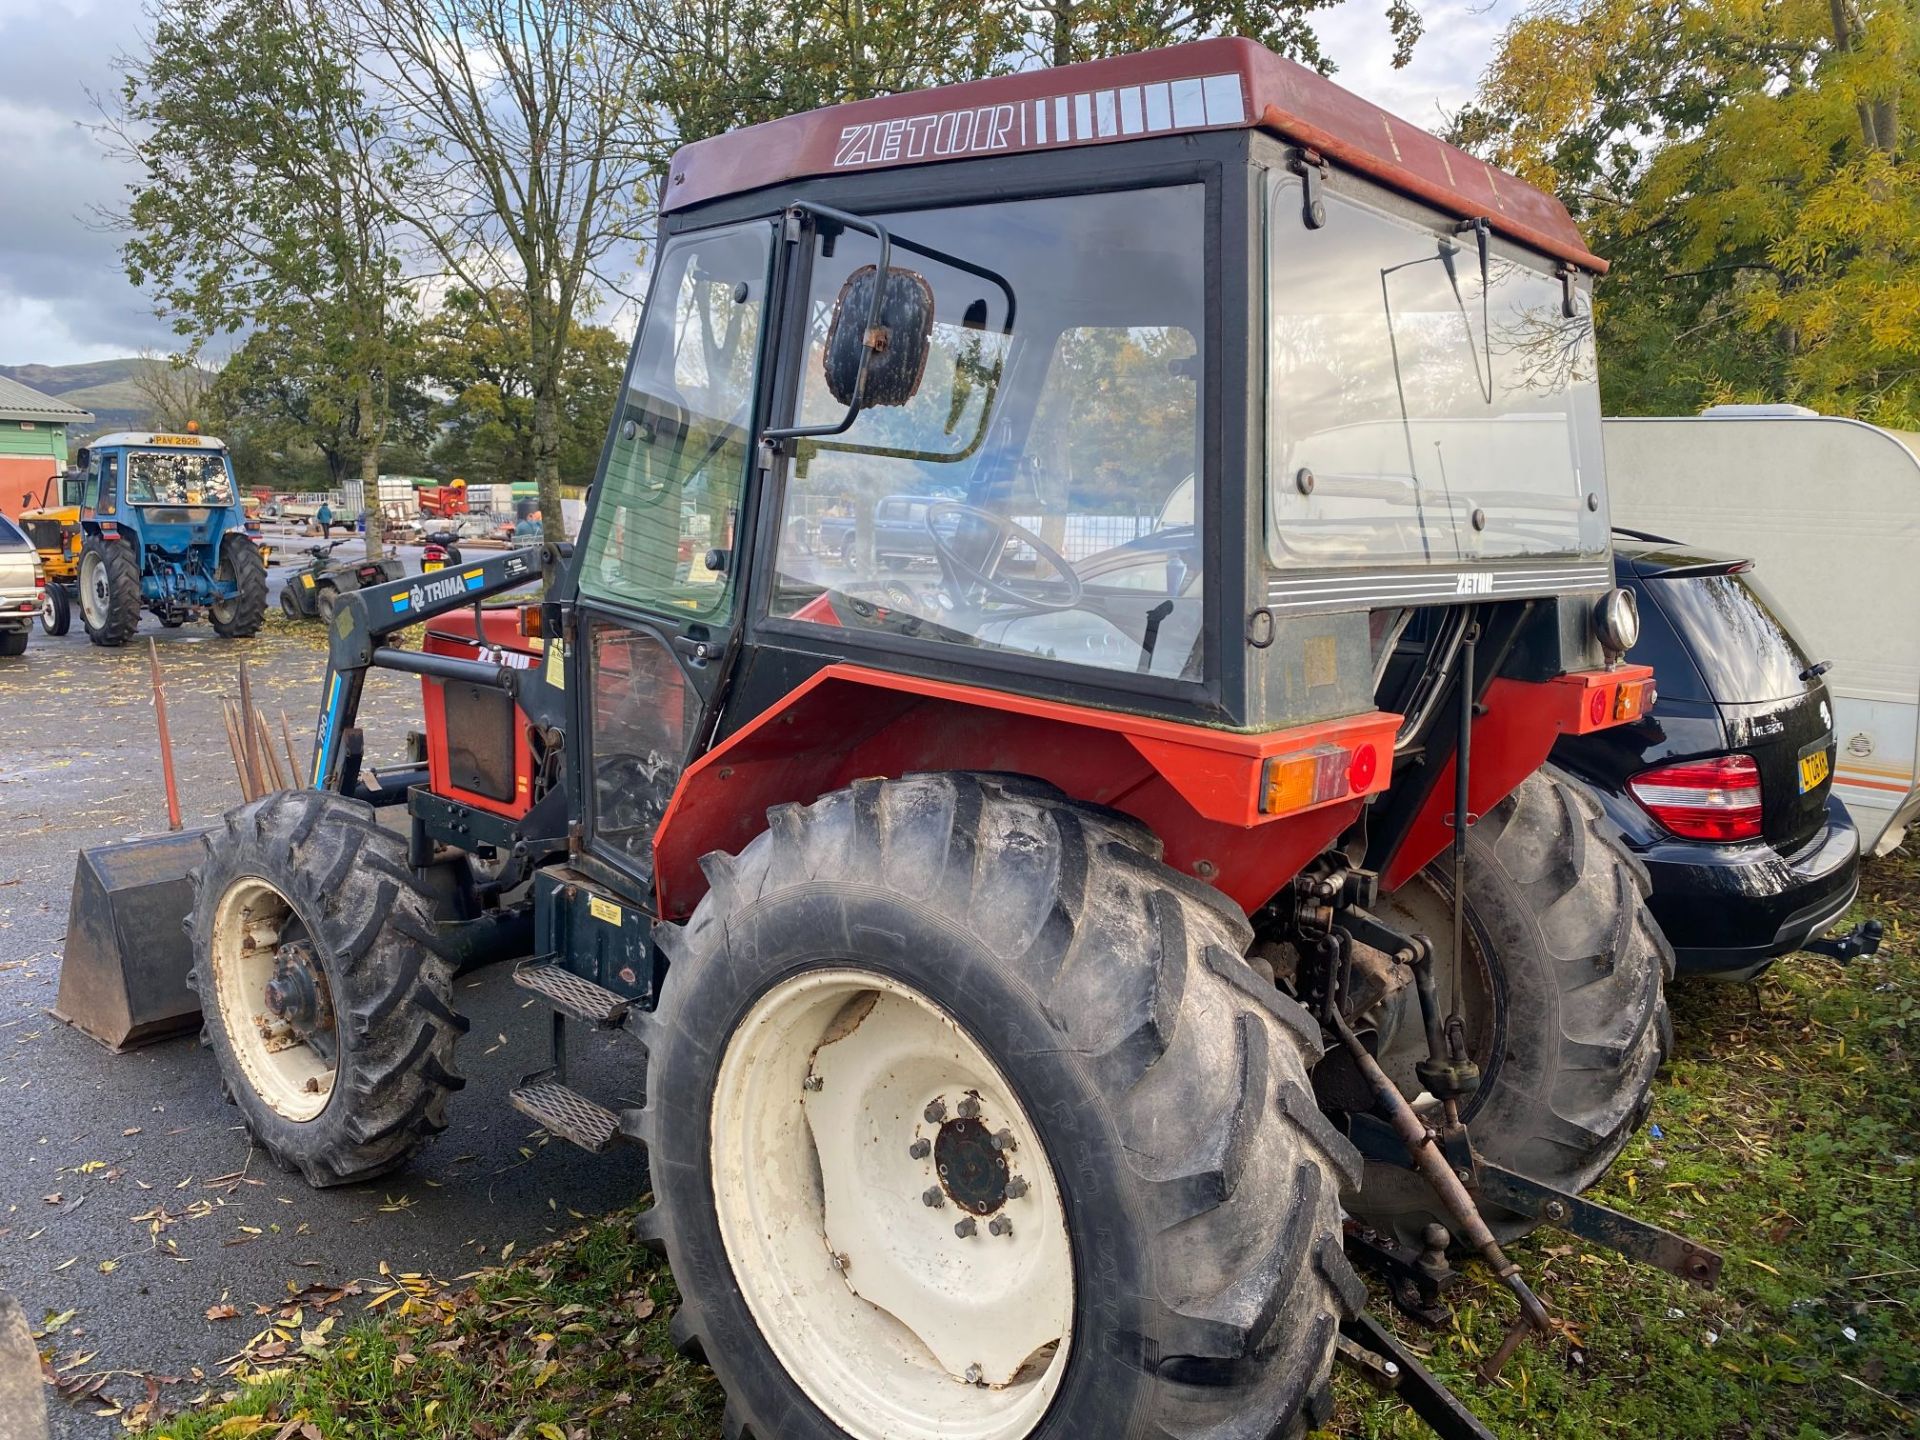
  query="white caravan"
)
[{"x": 1829, "y": 509}]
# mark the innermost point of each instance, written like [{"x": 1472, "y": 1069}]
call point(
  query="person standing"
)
[{"x": 324, "y": 518}]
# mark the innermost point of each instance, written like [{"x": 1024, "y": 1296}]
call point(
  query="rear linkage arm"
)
[{"x": 1446, "y": 1159}]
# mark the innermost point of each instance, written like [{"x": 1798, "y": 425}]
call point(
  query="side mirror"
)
[
  {"x": 878, "y": 340},
  {"x": 81, "y": 458}
]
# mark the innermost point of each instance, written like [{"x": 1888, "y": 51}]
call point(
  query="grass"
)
[{"x": 1786, "y": 1136}]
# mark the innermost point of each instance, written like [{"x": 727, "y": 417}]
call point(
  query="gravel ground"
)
[{"x": 129, "y": 1193}]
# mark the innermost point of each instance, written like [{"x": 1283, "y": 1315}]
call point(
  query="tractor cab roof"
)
[
  {"x": 1208, "y": 85},
  {"x": 144, "y": 439}
]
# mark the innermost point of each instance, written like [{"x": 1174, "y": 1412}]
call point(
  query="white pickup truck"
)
[{"x": 19, "y": 588}]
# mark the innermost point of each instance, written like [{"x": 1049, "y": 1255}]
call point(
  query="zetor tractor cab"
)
[
  {"x": 1036, "y": 948},
  {"x": 161, "y": 528}
]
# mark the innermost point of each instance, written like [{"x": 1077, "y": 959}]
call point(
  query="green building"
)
[{"x": 33, "y": 443}]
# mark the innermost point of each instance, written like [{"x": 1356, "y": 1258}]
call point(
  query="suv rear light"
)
[{"x": 1713, "y": 799}]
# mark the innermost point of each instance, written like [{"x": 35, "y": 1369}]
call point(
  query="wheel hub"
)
[
  {"x": 297, "y": 993},
  {"x": 971, "y": 1165}
]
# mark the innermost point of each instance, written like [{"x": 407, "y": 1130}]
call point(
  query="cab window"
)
[
  {"x": 668, "y": 502},
  {"x": 1024, "y": 497}
]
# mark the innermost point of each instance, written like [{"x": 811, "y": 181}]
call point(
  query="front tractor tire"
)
[
  {"x": 325, "y": 1005},
  {"x": 109, "y": 586},
  {"x": 1565, "y": 999},
  {"x": 56, "y": 610},
  {"x": 242, "y": 565},
  {"x": 965, "y": 1116}
]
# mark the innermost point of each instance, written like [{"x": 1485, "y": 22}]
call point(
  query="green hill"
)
[{"x": 109, "y": 388}]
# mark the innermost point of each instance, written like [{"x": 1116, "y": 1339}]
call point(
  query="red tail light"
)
[
  {"x": 1712, "y": 799},
  {"x": 434, "y": 552}
]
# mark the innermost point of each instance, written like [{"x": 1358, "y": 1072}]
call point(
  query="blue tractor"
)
[{"x": 162, "y": 529}]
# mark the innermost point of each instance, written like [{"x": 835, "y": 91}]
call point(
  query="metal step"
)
[
  {"x": 568, "y": 1114},
  {"x": 573, "y": 995}
]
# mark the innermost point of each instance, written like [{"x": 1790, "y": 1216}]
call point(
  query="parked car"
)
[
  {"x": 20, "y": 585},
  {"x": 1827, "y": 507},
  {"x": 900, "y": 533},
  {"x": 1725, "y": 788}
]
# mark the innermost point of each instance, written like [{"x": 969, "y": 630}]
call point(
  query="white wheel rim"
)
[
  {"x": 47, "y": 602},
  {"x": 896, "y": 1327},
  {"x": 282, "y": 1070},
  {"x": 94, "y": 599}
]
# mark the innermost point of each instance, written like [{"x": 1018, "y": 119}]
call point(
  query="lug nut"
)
[
  {"x": 812, "y": 1082},
  {"x": 933, "y": 1198},
  {"x": 1016, "y": 1187},
  {"x": 1003, "y": 1141},
  {"x": 839, "y": 1262},
  {"x": 935, "y": 1112},
  {"x": 967, "y": 1228},
  {"x": 1000, "y": 1225},
  {"x": 920, "y": 1149},
  {"x": 975, "y": 1375},
  {"x": 970, "y": 1107}
]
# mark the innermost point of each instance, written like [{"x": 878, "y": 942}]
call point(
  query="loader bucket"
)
[{"x": 124, "y": 978}]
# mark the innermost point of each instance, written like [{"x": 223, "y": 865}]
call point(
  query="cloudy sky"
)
[{"x": 64, "y": 298}]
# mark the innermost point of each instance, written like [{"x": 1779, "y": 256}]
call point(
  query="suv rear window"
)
[
  {"x": 8, "y": 535},
  {"x": 1736, "y": 634}
]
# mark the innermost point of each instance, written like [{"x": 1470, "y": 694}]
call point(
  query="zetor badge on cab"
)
[{"x": 1037, "y": 942}]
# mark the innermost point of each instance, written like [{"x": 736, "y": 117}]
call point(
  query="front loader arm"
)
[{"x": 365, "y": 619}]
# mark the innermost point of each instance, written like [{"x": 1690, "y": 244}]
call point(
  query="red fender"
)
[
  {"x": 1511, "y": 739},
  {"x": 1198, "y": 789}
]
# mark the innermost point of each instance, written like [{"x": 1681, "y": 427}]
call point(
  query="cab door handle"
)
[{"x": 697, "y": 651}]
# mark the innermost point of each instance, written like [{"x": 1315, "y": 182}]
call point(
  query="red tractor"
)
[{"x": 1056, "y": 954}]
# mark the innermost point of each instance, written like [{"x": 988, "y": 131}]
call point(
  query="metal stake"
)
[{"x": 166, "y": 736}]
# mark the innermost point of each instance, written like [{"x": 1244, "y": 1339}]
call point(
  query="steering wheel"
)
[{"x": 961, "y": 574}]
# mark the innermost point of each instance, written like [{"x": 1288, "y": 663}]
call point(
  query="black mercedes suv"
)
[{"x": 1724, "y": 789}]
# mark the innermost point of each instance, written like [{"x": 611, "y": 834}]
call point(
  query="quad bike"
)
[
  {"x": 1034, "y": 958},
  {"x": 315, "y": 588}
]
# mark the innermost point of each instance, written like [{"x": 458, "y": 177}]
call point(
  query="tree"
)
[
  {"x": 1751, "y": 172},
  {"x": 265, "y": 176},
  {"x": 1066, "y": 31},
  {"x": 177, "y": 391},
  {"x": 485, "y": 367},
  {"x": 292, "y": 418},
  {"x": 534, "y": 134},
  {"x": 716, "y": 65}
]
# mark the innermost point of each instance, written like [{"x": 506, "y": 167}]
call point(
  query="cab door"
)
[{"x": 656, "y": 572}]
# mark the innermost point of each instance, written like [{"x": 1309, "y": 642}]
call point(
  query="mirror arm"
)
[{"x": 854, "y": 406}]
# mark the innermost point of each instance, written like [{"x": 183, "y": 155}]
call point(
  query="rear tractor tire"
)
[
  {"x": 1566, "y": 1006},
  {"x": 14, "y": 642},
  {"x": 325, "y": 1004},
  {"x": 241, "y": 564},
  {"x": 109, "y": 588},
  {"x": 966, "y": 1117}
]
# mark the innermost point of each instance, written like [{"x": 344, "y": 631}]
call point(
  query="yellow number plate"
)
[
  {"x": 1813, "y": 769},
  {"x": 431, "y": 565}
]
